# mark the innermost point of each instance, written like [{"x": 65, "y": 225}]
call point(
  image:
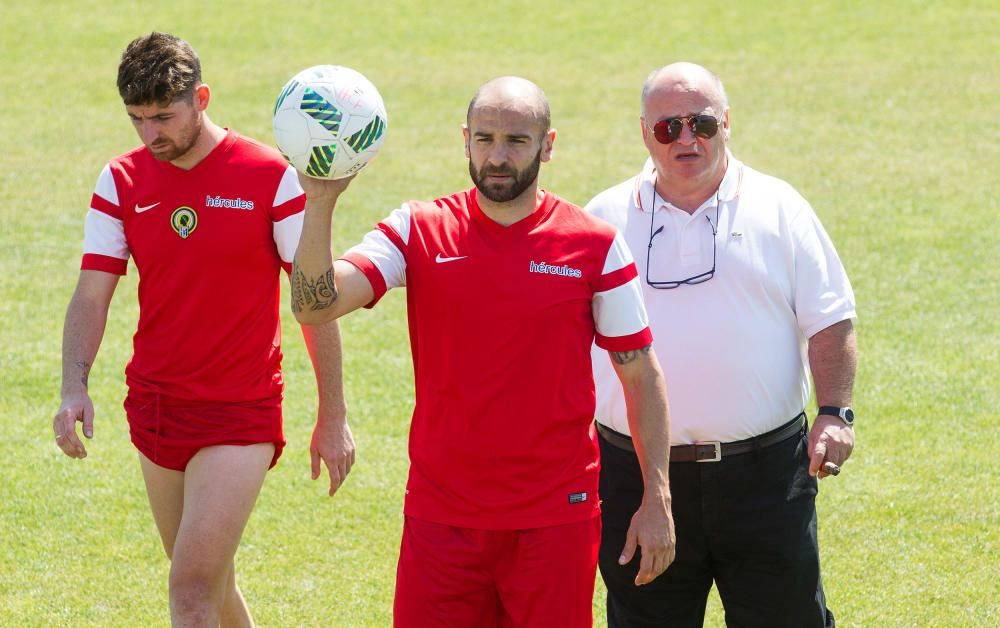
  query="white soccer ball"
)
[{"x": 329, "y": 121}]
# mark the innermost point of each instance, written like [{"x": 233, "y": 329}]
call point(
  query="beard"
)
[
  {"x": 167, "y": 149},
  {"x": 505, "y": 192}
]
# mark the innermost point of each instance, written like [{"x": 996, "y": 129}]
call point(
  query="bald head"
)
[
  {"x": 686, "y": 77},
  {"x": 512, "y": 93}
]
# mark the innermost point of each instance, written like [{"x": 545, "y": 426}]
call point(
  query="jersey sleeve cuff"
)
[
  {"x": 370, "y": 271},
  {"x": 104, "y": 263},
  {"x": 632, "y": 342}
]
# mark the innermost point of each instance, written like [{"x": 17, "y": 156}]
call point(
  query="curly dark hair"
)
[{"x": 158, "y": 69}]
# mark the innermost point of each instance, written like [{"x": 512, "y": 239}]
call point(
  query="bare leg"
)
[
  {"x": 165, "y": 490},
  {"x": 235, "y": 612},
  {"x": 201, "y": 514}
]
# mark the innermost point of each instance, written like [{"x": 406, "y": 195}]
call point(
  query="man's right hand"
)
[
  {"x": 322, "y": 194},
  {"x": 75, "y": 407}
]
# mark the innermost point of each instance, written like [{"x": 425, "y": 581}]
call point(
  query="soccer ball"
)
[{"x": 329, "y": 121}]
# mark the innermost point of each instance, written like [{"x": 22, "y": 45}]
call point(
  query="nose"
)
[
  {"x": 687, "y": 136},
  {"x": 148, "y": 131},
  {"x": 497, "y": 154}
]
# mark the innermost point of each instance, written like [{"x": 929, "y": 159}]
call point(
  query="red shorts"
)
[
  {"x": 170, "y": 433},
  {"x": 449, "y": 576}
]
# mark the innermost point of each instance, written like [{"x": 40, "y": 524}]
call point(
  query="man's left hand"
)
[
  {"x": 333, "y": 443},
  {"x": 652, "y": 529},
  {"x": 830, "y": 440}
]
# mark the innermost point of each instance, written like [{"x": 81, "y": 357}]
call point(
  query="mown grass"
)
[{"x": 883, "y": 115}]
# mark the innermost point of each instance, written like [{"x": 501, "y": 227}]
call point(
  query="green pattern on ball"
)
[
  {"x": 321, "y": 110},
  {"x": 284, "y": 94},
  {"x": 368, "y": 135},
  {"x": 321, "y": 160}
]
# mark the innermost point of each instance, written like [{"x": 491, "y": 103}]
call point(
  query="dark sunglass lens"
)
[
  {"x": 666, "y": 131},
  {"x": 661, "y": 131},
  {"x": 704, "y": 126}
]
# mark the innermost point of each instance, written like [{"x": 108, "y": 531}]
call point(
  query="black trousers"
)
[{"x": 747, "y": 522}]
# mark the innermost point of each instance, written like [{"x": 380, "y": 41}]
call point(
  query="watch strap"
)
[{"x": 846, "y": 414}]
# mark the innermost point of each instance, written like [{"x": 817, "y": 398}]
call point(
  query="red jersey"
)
[
  {"x": 501, "y": 323},
  {"x": 209, "y": 244}
]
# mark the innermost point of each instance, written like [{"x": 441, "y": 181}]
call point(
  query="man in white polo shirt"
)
[{"x": 746, "y": 296}]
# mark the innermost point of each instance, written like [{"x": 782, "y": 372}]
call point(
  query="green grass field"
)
[{"x": 883, "y": 114}]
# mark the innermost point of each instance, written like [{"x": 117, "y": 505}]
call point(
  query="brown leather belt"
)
[{"x": 713, "y": 451}]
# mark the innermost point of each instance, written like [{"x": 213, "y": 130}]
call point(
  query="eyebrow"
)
[
  {"x": 155, "y": 115},
  {"x": 510, "y": 136}
]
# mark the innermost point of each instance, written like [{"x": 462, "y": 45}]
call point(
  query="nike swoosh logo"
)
[
  {"x": 442, "y": 260},
  {"x": 139, "y": 210}
]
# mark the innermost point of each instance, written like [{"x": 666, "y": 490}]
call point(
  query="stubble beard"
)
[
  {"x": 521, "y": 180},
  {"x": 186, "y": 140}
]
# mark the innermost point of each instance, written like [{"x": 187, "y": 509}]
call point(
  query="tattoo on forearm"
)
[
  {"x": 624, "y": 357},
  {"x": 85, "y": 371},
  {"x": 317, "y": 294}
]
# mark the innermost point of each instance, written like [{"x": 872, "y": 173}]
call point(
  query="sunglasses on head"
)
[{"x": 669, "y": 129}]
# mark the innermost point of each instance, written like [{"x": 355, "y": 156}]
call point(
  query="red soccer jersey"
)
[
  {"x": 209, "y": 244},
  {"x": 501, "y": 323}
]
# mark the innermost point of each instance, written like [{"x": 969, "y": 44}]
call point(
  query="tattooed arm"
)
[
  {"x": 652, "y": 526},
  {"x": 322, "y": 289},
  {"x": 83, "y": 330}
]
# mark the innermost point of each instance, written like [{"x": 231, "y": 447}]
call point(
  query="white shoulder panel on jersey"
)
[
  {"x": 382, "y": 249},
  {"x": 620, "y": 311},
  {"x": 619, "y": 255},
  {"x": 106, "y": 186},
  {"x": 286, "y": 236},
  {"x": 399, "y": 220},
  {"x": 288, "y": 189},
  {"x": 104, "y": 235}
]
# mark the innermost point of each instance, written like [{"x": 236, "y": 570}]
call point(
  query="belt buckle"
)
[{"x": 717, "y": 454}]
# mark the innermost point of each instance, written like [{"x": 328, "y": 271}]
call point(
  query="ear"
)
[
  {"x": 726, "y": 125},
  {"x": 202, "y": 94},
  {"x": 647, "y": 135},
  {"x": 548, "y": 140},
  {"x": 466, "y": 137}
]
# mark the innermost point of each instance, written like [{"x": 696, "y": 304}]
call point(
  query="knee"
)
[{"x": 194, "y": 592}]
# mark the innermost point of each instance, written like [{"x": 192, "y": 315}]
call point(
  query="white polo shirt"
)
[{"x": 734, "y": 348}]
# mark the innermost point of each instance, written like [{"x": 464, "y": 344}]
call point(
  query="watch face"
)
[{"x": 849, "y": 416}]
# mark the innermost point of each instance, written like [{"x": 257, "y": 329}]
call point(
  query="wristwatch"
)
[{"x": 846, "y": 414}]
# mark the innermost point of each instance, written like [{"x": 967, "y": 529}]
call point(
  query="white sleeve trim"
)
[
  {"x": 288, "y": 189},
  {"x": 619, "y": 255},
  {"x": 106, "y": 186},
  {"x": 620, "y": 311},
  {"x": 399, "y": 220},
  {"x": 286, "y": 236},
  {"x": 383, "y": 252},
  {"x": 104, "y": 235}
]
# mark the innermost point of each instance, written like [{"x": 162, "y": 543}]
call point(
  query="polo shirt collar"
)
[{"x": 729, "y": 189}]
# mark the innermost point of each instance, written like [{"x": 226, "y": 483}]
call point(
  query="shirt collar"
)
[{"x": 729, "y": 188}]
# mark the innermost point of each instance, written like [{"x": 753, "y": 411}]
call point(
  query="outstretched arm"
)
[
  {"x": 323, "y": 290},
  {"x": 83, "y": 330},
  {"x": 833, "y": 360},
  {"x": 332, "y": 441},
  {"x": 652, "y": 526}
]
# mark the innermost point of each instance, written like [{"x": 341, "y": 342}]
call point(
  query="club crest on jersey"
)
[{"x": 184, "y": 221}]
